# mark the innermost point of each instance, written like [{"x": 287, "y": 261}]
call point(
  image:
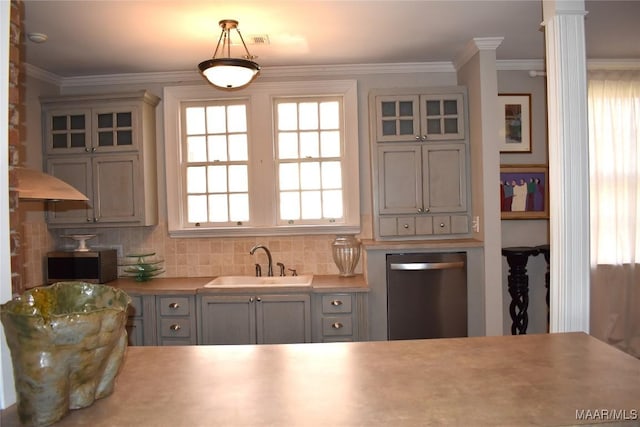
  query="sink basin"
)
[{"x": 252, "y": 281}]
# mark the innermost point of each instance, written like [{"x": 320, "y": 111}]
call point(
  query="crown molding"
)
[
  {"x": 592, "y": 64},
  {"x": 43, "y": 75},
  {"x": 268, "y": 72},
  {"x": 473, "y": 46},
  {"x": 520, "y": 65}
]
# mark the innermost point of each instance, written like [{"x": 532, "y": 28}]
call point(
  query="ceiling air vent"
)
[{"x": 258, "y": 39}]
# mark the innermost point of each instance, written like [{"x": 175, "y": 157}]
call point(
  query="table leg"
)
[{"x": 518, "y": 285}]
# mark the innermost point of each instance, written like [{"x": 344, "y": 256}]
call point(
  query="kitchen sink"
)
[{"x": 264, "y": 281}]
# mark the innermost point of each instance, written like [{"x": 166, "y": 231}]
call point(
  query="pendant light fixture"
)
[{"x": 227, "y": 72}]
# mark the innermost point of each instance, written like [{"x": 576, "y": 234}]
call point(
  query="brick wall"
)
[{"x": 15, "y": 92}]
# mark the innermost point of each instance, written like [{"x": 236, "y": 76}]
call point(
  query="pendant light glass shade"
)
[{"x": 227, "y": 72}]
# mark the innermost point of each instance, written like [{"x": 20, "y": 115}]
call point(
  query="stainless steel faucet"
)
[{"x": 270, "y": 269}]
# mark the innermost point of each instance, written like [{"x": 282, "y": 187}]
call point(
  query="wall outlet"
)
[{"x": 475, "y": 224}]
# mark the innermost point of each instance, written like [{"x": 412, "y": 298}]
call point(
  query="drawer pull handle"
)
[
  {"x": 175, "y": 327},
  {"x": 174, "y": 306},
  {"x": 336, "y": 325},
  {"x": 336, "y": 303}
]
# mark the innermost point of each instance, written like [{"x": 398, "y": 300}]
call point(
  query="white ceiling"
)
[{"x": 112, "y": 37}]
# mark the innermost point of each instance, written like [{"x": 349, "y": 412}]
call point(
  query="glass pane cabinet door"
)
[
  {"x": 442, "y": 116},
  {"x": 68, "y": 132},
  {"x": 398, "y": 118},
  {"x": 114, "y": 130}
]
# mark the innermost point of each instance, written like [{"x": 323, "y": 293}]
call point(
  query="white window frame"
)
[{"x": 262, "y": 172}]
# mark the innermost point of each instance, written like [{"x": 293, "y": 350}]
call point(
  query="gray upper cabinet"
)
[
  {"x": 254, "y": 319},
  {"x": 105, "y": 147},
  {"x": 416, "y": 179},
  {"x": 420, "y": 117},
  {"x": 420, "y": 161}
]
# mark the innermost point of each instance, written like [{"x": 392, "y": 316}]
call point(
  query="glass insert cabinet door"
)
[
  {"x": 91, "y": 131},
  {"x": 442, "y": 116},
  {"x": 114, "y": 129},
  {"x": 427, "y": 117},
  {"x": 398, "y": 118},
  {"x": 68, "y": 131}
]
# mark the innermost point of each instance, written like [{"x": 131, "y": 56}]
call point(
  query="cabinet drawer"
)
[
  {"x": 338, "y": 303},
  {"x": 135, "y": 307},
  {"x": 459, "y": 224},
  {"x": 337, "y": 325},
  {"x": 174, "y": 306},
  {"x": 424, "y": 225},
  {"x": 397, "y": 226},
  {"x": 441, "y": 225},
  {"x": 175, "y": 327}
]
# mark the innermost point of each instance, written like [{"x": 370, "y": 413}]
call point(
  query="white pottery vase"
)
[{"x": 346, "y": 254}]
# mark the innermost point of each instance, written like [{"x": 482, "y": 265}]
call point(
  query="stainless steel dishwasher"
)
[{"x": 426, "y": 295}]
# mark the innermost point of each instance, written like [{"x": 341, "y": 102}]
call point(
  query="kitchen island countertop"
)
[{"x": 546, "y": 379}]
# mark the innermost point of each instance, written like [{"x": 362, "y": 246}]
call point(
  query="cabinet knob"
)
[
  {"x": 424, "y": 137},
  {"x": 174, "y": 306},
  {"x": 93, "y": 149},
  {"x": 336, "y": 325},
  {"x": 417, "y": 137},
  {"x": 258, "y": 299},
  {"x": 86, "y": 149},
  {"x": 420, "y": 210},
  {"x": 175, "y": 327},
  {"x": 251, "y": 299},
  {"x": 336, "y": 303},
  {"x": 406, "y": 225},
  {"x": 442, "y": 225}
]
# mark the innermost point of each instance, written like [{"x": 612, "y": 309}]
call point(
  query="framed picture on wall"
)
[
  {"x": 515, "y": 122},
  {"x": 524, "y": 192}
]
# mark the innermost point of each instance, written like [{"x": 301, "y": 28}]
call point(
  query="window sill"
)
[{"x": 265, "y": 231}]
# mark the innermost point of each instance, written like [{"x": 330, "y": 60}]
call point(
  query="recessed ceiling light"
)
[{"x": 37, "y": 37}]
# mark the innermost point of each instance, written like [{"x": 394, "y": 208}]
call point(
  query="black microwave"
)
[{"x": 100, "y": 266}]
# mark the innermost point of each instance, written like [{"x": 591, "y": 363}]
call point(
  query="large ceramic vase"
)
[
  {"x": 67, "y": 342},
  {"x": 346, "y": 253}
]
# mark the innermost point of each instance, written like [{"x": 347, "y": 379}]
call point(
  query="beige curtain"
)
[{"x": 614, "y": 165}]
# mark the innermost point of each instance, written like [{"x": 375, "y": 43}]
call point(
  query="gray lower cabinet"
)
[
  {"x": 254, "y": 319},
  {"x": 189, "y": 319},
  {"x": 339, "y": 317},
  {"x": 162, "y": 320},
  {"x": 141, "y": 328},
  {"x": 176, "y": 322}
]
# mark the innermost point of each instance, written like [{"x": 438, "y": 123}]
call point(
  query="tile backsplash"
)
[{"x": 187, "y": 257}]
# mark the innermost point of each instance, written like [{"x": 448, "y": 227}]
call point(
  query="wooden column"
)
[{"x": 568, "y": 164}]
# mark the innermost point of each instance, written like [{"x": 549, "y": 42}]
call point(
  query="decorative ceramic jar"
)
[
  {"x": 346, "y": 253},
  {"x": 67, "y": 342}
]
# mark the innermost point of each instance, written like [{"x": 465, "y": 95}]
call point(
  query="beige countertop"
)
[
  {"x": 486, "y": 381},
  {"x": 372, "y": 245},
  {"x": 191, "y": 285}
]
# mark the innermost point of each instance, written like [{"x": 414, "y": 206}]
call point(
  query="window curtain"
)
[{"x": 614, "y": 166}]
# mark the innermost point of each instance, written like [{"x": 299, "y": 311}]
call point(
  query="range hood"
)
[{"x": 33, "y": 184}]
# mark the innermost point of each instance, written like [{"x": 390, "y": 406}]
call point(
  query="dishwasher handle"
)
[{"x": 417, "y": 266}]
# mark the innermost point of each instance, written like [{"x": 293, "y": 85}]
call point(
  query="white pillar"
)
[
  {"x": 7, "y": 390},
  {"x": 568, "y": 164},
  {"x": 476, "y": 67}
]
